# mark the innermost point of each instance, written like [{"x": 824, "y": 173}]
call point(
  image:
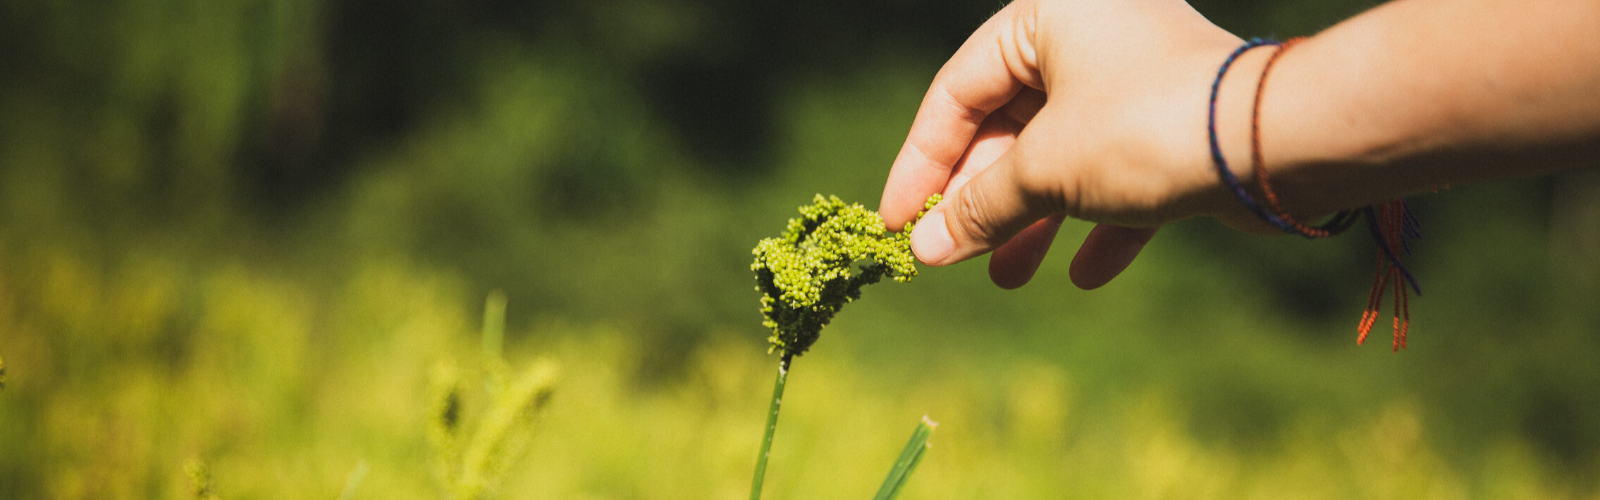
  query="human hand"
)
[{"x": 1086, "y": 109}]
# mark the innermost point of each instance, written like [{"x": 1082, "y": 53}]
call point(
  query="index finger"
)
[{"x": 983, "y": 75}]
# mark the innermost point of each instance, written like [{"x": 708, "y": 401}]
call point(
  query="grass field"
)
[{"x": 182, "y": 283}]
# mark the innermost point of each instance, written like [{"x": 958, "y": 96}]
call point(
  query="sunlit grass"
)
[
  {"x": 907, "y": 462},
  {"x": 288, "y": 389},
  {"x": 151, "y": 318}
]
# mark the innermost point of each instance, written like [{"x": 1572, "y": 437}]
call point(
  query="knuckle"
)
[
  {"x": 974, "y": 216},
  {"x": 1045, "y": 186},
  {"x": 1072, "y": 196}
]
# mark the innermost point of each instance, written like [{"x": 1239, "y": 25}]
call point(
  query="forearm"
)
[{"x": 1420, "y": 94}]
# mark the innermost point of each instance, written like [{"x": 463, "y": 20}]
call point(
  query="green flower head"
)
[{"x": 809, "y": 273}]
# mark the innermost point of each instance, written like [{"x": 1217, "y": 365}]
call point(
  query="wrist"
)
[
  {"x": 1314, "y": 157},
  {"x": 1229, "y": 117},
  {"x": 1315, "y": 153}
]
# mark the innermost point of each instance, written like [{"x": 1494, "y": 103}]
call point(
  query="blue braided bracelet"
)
[{"x": 1216, "y": 149}]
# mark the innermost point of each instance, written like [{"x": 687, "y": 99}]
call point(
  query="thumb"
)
[{"x": 981, "y": 215}]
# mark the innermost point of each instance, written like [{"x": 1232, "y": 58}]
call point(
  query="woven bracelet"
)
[
  {"x": 1340, "y": 221},
  {"x": 1391, "y": 223},
  {"x": 1216, "y": 148}
]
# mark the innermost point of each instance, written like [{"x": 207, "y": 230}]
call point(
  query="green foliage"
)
[
  {"x": 353, "y": 481},
  {"x": 200, "y": 479},
  {"x": 226, "y": 233},
  {"x": 806, "y": 275},
  {"x": 473, "y": 468},
  {"x": 909, "y": 458}
]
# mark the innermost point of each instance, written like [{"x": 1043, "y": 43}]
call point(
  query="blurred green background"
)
[{"x": 243, "y": 232}]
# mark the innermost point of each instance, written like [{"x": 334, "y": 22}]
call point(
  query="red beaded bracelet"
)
[
  {"x": 1391, "y": 222},
  {"x": 1340, "y": 221}
]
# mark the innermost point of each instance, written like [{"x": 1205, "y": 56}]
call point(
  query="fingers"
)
[
  {"x": 1106, "y": 252},
  {"x": 1014, "y": 263},
  {"x": 995, "y": 136},
  {"x": 991, "y": 208},
  {"x": 987, "y": 72}
]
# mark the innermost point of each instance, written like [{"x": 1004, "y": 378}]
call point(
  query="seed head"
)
[
  {"x": 806, "y": 275},
  {"x": 199, "y": 479}
]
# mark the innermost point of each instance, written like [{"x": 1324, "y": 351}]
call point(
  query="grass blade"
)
[
  {"x": 353, "y": 481},
  {"x": 909, "y": 458}
]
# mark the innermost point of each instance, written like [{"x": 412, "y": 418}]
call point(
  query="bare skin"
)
[{"x": 1096, "y": 110}]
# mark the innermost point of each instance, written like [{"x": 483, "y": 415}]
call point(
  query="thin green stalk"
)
[
  {"x": 494, "y": 324},
  {"x": 909, "y": 458},
  {"x": 494, "y": 332},
  {"x": 772, "y": 425},
  {"x": 353, "y": 481}
]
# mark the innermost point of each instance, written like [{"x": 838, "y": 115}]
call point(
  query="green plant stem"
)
[
  {"x": 772, "y": 425},
  {"x": 909, "y": 458},
  {"x": 353, "y": 481}
]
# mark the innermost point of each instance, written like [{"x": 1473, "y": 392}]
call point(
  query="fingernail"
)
[{"x": 930, "y": 240}]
